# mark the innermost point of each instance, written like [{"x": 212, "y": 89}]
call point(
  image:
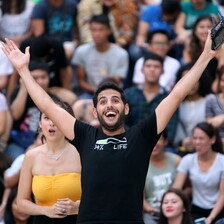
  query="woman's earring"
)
[{"x": 39, "y": 130}]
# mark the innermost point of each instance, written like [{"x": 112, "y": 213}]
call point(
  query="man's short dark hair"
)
[
  {"x": 38, "y": 65},
  {"x": 153, "y": 33},
  {"x": 105, "y": 86},
  {"x": 39, "y": 46},
  {"x": 102, "y": 19},
  {"x": 152, "y": 56},
  {"x": 170, "y": 6}
]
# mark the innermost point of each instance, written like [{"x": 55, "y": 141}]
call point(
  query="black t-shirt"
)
[{"x": 113, "y": 172}]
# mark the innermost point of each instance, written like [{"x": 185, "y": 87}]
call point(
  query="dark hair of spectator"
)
[
  {"x": 186, "y": 204},
  {"x": 153, "y": 33},
  {"x": 152, "y": 56},
  {"x": 169, "y": 7},
  {"x": 6, "y": 6},
  {"x": 101, "y": 19},
  {"x": 38, "y": 65},
  {"x": 105, "y": 86},
  {"x": 204, "y": 81},
  {"x": 39, "y": 46},
  {"x": 211, "y": 132}
]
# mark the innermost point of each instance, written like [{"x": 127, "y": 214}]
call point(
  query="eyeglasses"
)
[{"x": 163, "y": 44}]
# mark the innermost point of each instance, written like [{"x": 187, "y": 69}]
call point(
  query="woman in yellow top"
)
[{"x": 51, "y": 172}]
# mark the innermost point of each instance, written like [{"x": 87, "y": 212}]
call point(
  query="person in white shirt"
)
[
  {"x": 159, "y": 43},
  {"x": 6, "y": 69}
]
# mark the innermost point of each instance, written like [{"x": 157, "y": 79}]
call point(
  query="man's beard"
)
[{"x": 114, "y": 127}]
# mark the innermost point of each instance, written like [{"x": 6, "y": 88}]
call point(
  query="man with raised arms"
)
[{"x": 114, "y": 161}]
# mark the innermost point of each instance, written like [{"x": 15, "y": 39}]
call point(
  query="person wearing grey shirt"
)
[
  {"x": 206, "y": 172},
  {"x": 215, "y": 104},
  {"x": 99, "y": 60}
]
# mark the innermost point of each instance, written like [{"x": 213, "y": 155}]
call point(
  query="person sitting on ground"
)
[
  {"x": 15, "y": 19},
  {"x": 25, "y": 113},
  {"x": 159, "y": 42},
  {"x": 190, "y": 11},
  {"x": 100, "y": 59},
  {"x": 57, "y": 20},
  {"x": 144, "y": 99},
  {"x": 50, "y": 51},
  {"x": 205, "y": 169},
  {"x": 214, "y": 107},
  {"x": 191, "y": 110},
  {"x": 194, "y": 46},
  {"x": 158, "y": 17},
  {"x": 123, "y": 17},
  {"x": 160, "y": 176}
]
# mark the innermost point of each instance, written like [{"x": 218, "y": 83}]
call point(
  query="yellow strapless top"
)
[{"x": 47, "y": 189}]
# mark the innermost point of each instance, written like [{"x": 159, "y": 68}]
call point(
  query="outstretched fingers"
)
[
  {"x": 11, "y": 44},
  {"x": 8, "y": 46},
  {"x": 5, "y": 49},
  {"x": 15, "y": 55}
]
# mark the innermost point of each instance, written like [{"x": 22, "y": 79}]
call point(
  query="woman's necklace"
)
[{"x": 56, "y": 158}]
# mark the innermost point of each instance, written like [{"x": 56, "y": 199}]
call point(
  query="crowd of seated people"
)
[{"x": 144, "y": 46}]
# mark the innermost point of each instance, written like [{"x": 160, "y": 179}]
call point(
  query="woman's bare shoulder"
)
[{"x": 34, "y": 151}]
